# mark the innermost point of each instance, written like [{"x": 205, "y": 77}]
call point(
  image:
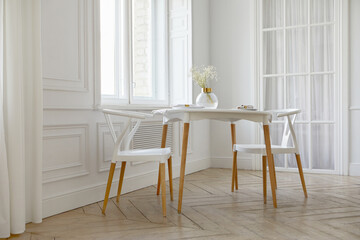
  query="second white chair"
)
[
  {"x": 284, "y": 148},
  {"x": 122, "y": 153}
]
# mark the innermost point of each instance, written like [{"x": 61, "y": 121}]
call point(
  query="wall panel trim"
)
[
  {"x": 66, "y": 201},
  {"x": 64, "y": 171}
]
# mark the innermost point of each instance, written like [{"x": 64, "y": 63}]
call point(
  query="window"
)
[
  {"x": 299, "y": 70},
  {"x": 133, "y": 53}
]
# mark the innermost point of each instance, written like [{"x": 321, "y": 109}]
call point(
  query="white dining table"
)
[{"x": 186, "y": 115}]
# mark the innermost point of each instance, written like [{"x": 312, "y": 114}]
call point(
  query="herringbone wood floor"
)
[{"x": 211, "y": 211}]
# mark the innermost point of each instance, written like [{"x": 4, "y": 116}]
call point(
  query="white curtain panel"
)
[
  {"x": 21, "y": 118},
  {"x": 304, "y": 49},
  {"x": 4, "y": 178}
]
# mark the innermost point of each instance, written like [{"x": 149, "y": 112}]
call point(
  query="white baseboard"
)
[
  {"x": 354, "y": 169},
  {"x": 226, "y": 162},
  {"x": 91, "y": 194}
]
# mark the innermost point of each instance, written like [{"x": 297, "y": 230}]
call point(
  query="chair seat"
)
[
  {"x": 144, "y": 155},
  {"x": 261, "y": 149}
]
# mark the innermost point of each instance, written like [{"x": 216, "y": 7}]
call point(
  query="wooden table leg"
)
[
  {"x": 234, "y": 173},
  {"x": 183, "y": 162},
  {"x": 271, "y": 163},
  {"x": 163, "y": 145},
  {"x": 163, "y": 188},
  {"x": 170, "y": 178},
  {"x": 264, "y": 177}
]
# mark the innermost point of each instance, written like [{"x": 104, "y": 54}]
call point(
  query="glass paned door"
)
[{"x": 298, "y": 53}]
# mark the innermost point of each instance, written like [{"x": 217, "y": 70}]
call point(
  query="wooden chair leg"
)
[
  {"x": 121, "y": 179},
  {"x": 107, "y": 192},
  {"x": 163, "y": 145},
  {"x": 159, "y": 181},
  {"x": 170, "y": 179},
  {"x": 234, "y": 168},
  {"x": 298, "y": 161},
  {"x": 163, "y": 188},
  {"x": 234, "y": 172},
  {"x": 270, "y": 162},
  {"x": 274, "y": 172},
  {"x": 264, "y": 177}
]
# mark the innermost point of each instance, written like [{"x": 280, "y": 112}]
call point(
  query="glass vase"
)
[{"x": 207, "y": 99}]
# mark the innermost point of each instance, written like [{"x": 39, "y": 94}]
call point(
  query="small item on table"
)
[
  {"x": 182, "y": 106},
  {"x": 246, "y": 107}
]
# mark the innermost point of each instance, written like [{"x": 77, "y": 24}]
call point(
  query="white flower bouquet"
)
[{"x": 203, "y": 74}]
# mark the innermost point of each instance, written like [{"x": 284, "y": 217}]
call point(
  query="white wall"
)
[
  {"x": 354, "y": 32},
  {"x": 201, "y": 55},
  {"x": 75, "y": 135},
  {"x": 231, "y": 44},
  {"x": 201, "y": 36}
]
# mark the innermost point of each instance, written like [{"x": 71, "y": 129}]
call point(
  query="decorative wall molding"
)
[
  {"x": 93, "y": 193},
  {"x": 105, "y": 145},
  {"x": 76, "y": 81},
  {"x": 59, "y": 164}
]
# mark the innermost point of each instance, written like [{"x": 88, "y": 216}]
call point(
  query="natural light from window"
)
[
  {"x": 107, "y": 37},
  {"x": 142, "y": 48},
  {"x": 133, "y": 65}
]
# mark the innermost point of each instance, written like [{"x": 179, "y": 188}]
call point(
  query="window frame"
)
[
  {"x": 116, "y": 98},
  {"x": 129, "y": 101}
]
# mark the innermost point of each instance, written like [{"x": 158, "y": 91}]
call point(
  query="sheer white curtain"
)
[
  {"x": 20, "y": 116},
  {"x": 298, "y": 72},
  {"x": 4, "y": 178}
]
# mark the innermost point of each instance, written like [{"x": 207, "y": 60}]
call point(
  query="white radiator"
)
[{"x": 149, "y": 135}]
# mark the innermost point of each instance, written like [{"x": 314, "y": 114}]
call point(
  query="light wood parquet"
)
[{"x": 212, "y": 211}]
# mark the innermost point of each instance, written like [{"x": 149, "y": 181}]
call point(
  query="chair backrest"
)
[
  {"x": 123, "y": 140},
  {"x": 290, "y": 115}
]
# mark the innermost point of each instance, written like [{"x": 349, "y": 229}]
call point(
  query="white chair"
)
[
  {"x": 123, "y": 154},
  {"x": 284, "y": 148}
]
